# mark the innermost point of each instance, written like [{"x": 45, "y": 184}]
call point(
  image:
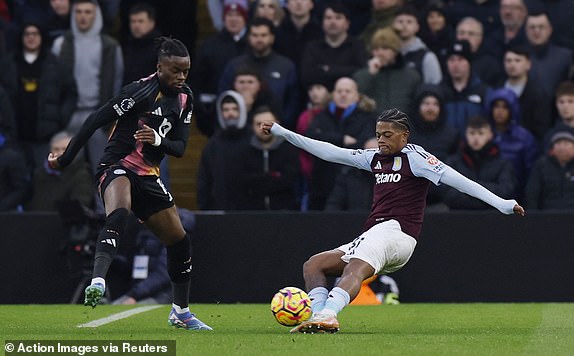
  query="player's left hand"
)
[
  {"x": 265, "y": 127},
  {"x": 518, "y": 210},
  {"x": 53, "y": 161},
  {"x": 145, "y": 135}
]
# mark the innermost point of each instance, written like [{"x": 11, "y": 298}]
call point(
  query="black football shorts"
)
[{"x": 148, "y": 193}]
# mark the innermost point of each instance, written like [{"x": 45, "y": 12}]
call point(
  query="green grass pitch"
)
[{"x": 249, "y": 329}]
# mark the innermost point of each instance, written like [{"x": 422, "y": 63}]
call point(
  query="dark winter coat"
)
[
  {"x": 56, "y": 93},
  {"x": 461, "y": 105},
  {"x": 359, "y": 122},
  {"x": 140, "y": 58},
  {"x": 551, "y": 186},
  {"x": 485, "y": 167},
  {"x": 74, "y": 182},
  {"x": 268, "y": 176},
  {"x": 353, "y": 191},
  {"x": 394, "y": 86},
  {"x": 437, "y": 137},
  {"x": 516, "y": 144}
]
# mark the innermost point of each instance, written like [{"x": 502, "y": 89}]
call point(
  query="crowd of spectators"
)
[{"x": 487, "y": 85}]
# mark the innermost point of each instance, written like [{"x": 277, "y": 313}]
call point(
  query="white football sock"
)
[
  {"x": 338, "y": 299},
  {"x": 179, "y": 309},
  {"x": 99, "y": 280},
  {"x": 318, "y": 296}
]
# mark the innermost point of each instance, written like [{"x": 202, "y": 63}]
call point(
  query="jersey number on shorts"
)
[
  {"x": 163, "y": 188},
  {"x": 355, "y": 244}
]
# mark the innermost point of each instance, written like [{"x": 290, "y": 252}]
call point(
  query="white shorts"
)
[{"x": 384, "y": 246}]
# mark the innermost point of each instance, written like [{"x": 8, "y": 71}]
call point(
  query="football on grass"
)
[{"x": 291, "y": 306}]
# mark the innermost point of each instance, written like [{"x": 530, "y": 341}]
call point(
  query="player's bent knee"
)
[{"x": 116, "y": 222}]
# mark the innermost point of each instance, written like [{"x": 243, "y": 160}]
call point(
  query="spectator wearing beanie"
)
[
  {"x": 464, "y": 91},
  {"x": 386, "y": 79},
  {"x": 217, "y": 11},
  {"x": 551, "y": 183}
]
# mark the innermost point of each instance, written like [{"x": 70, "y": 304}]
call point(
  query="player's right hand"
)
[
  {"x": 518, "y": 210},
  {"x": 53, "y": 161},
  {"x": 265, "y": 127}
]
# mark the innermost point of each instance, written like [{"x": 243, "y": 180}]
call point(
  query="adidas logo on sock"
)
[{"x": 109, "y": 242}]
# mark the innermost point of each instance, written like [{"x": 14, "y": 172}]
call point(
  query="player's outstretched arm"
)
[
  {"x": 456, "y": 180},
  {"x": 323, "y": 150}
]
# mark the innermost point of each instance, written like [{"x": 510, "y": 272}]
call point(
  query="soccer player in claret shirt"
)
[
  {"x": 403, "y": 173},
  {"x": 153, "y": 118}
]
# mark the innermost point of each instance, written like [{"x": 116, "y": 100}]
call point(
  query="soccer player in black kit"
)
[{"x": 152, "y": 118}]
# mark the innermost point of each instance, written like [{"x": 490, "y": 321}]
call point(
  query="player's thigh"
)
[
  {"x": 384, "y": 246},
  {"x": 166, "y": 225},
  {"x": 329, "y": 262},
  {"x": 117, "y": 194}
]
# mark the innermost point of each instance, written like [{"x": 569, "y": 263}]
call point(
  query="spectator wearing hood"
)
[
  {"x": 429, "y": 127},
  {"x": 551, "y": 183},
  {"x": 96, "y": 62},
  {"x": 387, "y": 79},
  {"x": 464, "y": 91},
  {"x": 479, "y": 159},
  {"x": 217, "y": 184},
  {"x": 516, "y": 143},
  {"x": 270, "y": 169},
  {"x": 430, "y": 130}
]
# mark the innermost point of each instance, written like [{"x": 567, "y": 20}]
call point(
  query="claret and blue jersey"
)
[{"x": 401, "y": 185}]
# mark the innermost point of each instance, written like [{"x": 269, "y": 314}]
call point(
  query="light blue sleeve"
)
[
  {"x": 424, "y": 164},
  {"x": 355, "y": 158}
]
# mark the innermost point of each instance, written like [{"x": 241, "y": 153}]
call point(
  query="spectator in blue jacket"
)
[
  {"x": 464, "y": 91},
  {"x": 516, "y": 143}
]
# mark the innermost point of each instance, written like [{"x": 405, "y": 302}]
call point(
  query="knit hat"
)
[
  {"x": 236, "y": 5},
  {"x": 562, "y": 135},
  {"x": 386, "y": 38},
  {"x": 460, "y": 48}
]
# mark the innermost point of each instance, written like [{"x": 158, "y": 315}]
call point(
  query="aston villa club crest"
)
[{"x": 397, "y": 164}]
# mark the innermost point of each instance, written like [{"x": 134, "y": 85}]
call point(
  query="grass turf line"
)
[{"x": 249, "y": 329}]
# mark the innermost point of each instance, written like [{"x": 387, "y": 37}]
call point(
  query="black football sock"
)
[
  {"x": 179, "y": 268},
  {"x": 108, "y": 241}
]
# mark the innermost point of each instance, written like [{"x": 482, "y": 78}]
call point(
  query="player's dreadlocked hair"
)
[
  {"x": 395, "y": 116},
  {"x": 167, "y": 47}
]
